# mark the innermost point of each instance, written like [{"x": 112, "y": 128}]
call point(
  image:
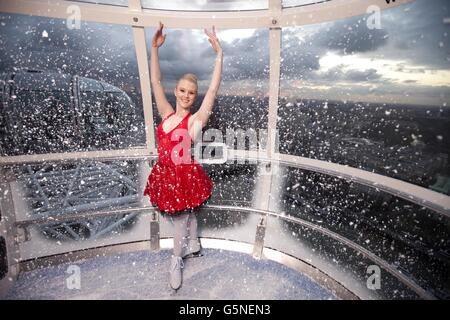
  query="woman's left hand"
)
[{"x": 212, "y": 38}]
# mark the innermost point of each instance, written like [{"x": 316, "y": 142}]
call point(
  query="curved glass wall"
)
[
  {"x": 121, "y": 3},
  {"x": 298, "y": 3},
  {"x": 240, "y": 112},
  {"x": 410, "y": 238},
  {"x": 375, "y": 99},
  {"x": 372, "y": 98},
  {"x": 205, "y": 5},
  {"x": 84, "y": 189},
  {"x": 340, "y": 227},
  {"x": 66, "y": 89}
]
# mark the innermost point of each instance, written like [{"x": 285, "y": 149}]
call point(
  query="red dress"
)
[{"x": 175, "y": 184}]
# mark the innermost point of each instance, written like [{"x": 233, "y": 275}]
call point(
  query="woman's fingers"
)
[
  {"x": 212, "y": 38},
  {"x": 159, "y": 38},
  {"x": 211, "y": 34}
]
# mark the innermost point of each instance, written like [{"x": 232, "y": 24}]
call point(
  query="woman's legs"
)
[
  {"x": 185, "y": 242},
  {"x": 180, "y": 237},
  {"x": 192, "y": 226},
  {"x": 193, "y": 247},
  {"x": 181, "y": 233}
]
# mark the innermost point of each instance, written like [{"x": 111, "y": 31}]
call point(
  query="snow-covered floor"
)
[{"x": 218, "y": 274}]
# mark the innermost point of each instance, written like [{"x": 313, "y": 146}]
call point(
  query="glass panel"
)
[
  {"x": 234, "y": 185},
  {"x": 121, "y": 3},
  {"x": 80, "y": 188},
  {"x": 376, "y": 99},
  {"x": 241, "y": 107},
  {"x": 88, "y": 186},
  {"x": 205, "y": 5},
  {"x": 66, "y": 90},
  {"x": 341, "y": 262},
  {"x": 298, "y": 3},
  {"x": 411, "y": 238}
]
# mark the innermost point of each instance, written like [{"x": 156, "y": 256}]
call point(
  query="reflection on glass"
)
[
  {"x": 242, "y": 101},
  {"x": 375, "y": 99},
  {"x": 121, "y": 3},
  {"x": 412, "y": 238},
  {"x": 76, "y": 188},
  {"x": 65, "y": 89},
  {"x": 335, "y": 258},
  {"x": 298, "y": 3},
  {"x": 234, "y": 184},
  {"x": 205, "y": 5}
]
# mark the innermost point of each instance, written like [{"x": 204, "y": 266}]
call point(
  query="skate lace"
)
[{"x": 178, "y": 264}]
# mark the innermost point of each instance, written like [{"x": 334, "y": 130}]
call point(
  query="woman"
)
[{"x": 177, "y": 183}]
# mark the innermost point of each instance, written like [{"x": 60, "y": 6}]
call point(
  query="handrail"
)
[
  {"x": 379, "y": 261},
  {"x": 438, "y": 203}
]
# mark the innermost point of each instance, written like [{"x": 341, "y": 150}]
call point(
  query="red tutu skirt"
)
[{"x": 178, "y": 187}]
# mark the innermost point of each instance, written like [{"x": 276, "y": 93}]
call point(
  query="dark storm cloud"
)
[
  {"x": 417, "y": 33},
  {"x": 299, "y": 57},
  {"x": 248, "y": 58},
  {"x": 350, "y": 36},
  {"x": 184, "y": 51},
  {"x": 413, "y": 33},
  {"x": 338, "y": 74}
]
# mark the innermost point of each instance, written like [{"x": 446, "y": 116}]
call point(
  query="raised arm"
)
[
  {"x": 205, "y": 110},
  {"x": 164, "y": 107}
]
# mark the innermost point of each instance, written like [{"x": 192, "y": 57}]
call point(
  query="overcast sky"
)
[{"x": 406, "y": 61}]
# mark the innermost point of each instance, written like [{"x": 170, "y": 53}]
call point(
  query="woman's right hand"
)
[{"x": 158, "y": 38}]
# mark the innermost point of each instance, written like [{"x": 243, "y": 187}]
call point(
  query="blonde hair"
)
[{"x": 189, "y": 77}]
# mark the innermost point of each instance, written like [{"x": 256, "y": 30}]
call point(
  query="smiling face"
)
[{"x": 186, "y": 93}]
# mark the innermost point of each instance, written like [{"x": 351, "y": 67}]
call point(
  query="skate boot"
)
[
  {"x": 193, "y": 249},
  {"x": 176, "y": 266}
]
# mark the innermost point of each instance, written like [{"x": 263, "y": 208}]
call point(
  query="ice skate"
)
[
  {"x": 176, "y": 266},
  {"x": 193, "y": 249}
]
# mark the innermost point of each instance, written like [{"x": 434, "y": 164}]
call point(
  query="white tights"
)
[{"x": 185, "y": 229}]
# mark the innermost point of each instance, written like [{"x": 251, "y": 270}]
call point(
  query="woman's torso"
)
[{"x": 173, "y": 143}]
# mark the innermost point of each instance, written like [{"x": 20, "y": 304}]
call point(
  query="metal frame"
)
[
  {"x": 428, "y": 198},
  {"x": 10, "y": 232},
  {"x": 275, "y": 15}
]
